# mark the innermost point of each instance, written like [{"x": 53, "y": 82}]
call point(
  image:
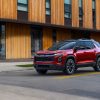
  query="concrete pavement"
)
[
  {"x": 20, "y": 93},
  {"x": 16, "y": 85},
  {"x": 11, "y": 66}
]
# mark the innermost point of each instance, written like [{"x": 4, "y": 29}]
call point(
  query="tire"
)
[
  {"x": 41, "y": 72},
  {"x": 70, "y": 66},
  {"x": 97, "y": 66}
]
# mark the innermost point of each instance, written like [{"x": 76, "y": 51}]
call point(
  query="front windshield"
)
[
  {"x": 68, "y": 46},
  {"x": 56, "y": 46},
  {"x": 62, "y": 46}
]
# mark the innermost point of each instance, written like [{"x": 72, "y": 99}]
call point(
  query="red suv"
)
[{"x": 68, "y": 56}]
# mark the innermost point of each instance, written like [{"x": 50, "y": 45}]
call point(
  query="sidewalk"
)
[{"x": 11, "y": 66}]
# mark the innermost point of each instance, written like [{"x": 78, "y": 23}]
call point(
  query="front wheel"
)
[
  {"x": 70, "y": 66},
  {"x": 41, "y": 72},
  {"x": 97, "y": 66}
]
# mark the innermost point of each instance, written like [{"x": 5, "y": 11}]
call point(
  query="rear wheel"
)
[
  {"x": 70, "y": 66},
  {"x": 97, "y": 66},
  {"x": 41, "y": 72}
]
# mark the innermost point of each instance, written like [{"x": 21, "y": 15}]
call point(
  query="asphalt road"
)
[{"x": 84, "y": 83}]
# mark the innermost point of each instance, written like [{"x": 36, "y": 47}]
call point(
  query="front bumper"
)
[{"x": 49, "y": 67}]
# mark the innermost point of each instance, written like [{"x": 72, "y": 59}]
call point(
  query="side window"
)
[
  {"x": 89, "y": 45},
  {"x": 81, "y": 45}
]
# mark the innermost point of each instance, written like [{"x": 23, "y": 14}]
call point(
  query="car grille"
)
[{"x": 44, "y": 58}]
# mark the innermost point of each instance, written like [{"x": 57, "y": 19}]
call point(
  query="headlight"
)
[{"x": 58, "y": 54}]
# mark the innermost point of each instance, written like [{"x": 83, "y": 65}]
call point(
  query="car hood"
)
[{"x": 52, "y": 52}]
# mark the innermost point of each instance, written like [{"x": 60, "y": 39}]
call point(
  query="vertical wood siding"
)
[
  {"x": 75, "y": 13},
  {"x": 18, "y": 43},
  {"x": 47, "y": 38},
  {"x": 57, "y": 12},
  {"x": 8, "y": 9},
  {"x": 87, "y": 14},
  {"x": 96, "y": 36},
  {"x": 63, "y": 35},
  {"x": 37, "y": 11},
  {"x": 98, "y": 14}
]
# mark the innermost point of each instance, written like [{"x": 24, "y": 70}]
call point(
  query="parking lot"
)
[{"x": 83, "y": 85}]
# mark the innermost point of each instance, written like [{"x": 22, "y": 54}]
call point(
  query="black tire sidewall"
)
[
  {"x": 66, "y": 70},
  {"x": 42, "y": 72},
  {"x": 96, "y": 67}
]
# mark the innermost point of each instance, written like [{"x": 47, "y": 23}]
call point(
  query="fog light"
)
[{"x": 60, "y": 59}]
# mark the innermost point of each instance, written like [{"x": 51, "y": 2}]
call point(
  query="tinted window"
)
[
  {"x": 80, "y": 43},
  {"x": 68, "y": 46},
  {"x": 89, "y": 44},
  {"x": 86, "y": 44},
  {"x": 56, "y": 46}
]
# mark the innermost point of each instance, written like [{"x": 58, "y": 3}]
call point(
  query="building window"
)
[
  {"x": 80, "y": 13},
  {"x": 48, "y": 8},
  {"x": 48, "y": 11},
  {"x": 2, "y": 42},
  {"x": 67, "y": 8},
  {"x": 22, "y": 10},
  {"x": 94, "y": 13},
  {"x": 67, "y": 12},
  {"x": 23, "y": 5}
]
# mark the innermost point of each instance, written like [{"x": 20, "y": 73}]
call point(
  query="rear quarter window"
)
[{"x": 97, "y": 44}]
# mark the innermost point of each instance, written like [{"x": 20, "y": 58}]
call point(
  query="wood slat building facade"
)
[{"x": 27, "y": 26}]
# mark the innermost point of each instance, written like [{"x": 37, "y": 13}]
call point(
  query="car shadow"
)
[{"x": 33, "y": 73}]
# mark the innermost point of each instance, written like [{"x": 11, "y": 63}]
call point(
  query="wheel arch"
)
[
  {"x": 97, "y": 56},
  {"x": 71, "y": 57}
]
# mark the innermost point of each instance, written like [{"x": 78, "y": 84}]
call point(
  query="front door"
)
[{"x": 36, "y": 40}]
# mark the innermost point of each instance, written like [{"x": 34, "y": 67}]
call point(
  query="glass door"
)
[
  {"x": 36, "y": 40},
  {"x": 2, "y": 42}
]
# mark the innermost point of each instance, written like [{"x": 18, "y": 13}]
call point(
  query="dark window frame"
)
[
  {"x": 81, "y": 13},
  {"x": 68, "y": 11},
  {"x": 94, "y": 13},
  {"x": 48, "y": 9},
  {"x": 22, "y": 15},
  {"x": 48, "y": 16},
  {"x": 22, "y": 5}
]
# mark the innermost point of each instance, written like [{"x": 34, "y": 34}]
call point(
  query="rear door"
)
[
  {"x": 86, "y": 52},
  {"x": 90, "y": 52}
]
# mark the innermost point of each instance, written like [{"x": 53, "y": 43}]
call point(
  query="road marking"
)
[{"x": 77, "y": 75}]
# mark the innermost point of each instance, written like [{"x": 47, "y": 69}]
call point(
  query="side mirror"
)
[{"x": 75, "y": 49}]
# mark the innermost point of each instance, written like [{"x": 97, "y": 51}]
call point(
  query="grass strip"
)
[{"x": 26, "y": 65}]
